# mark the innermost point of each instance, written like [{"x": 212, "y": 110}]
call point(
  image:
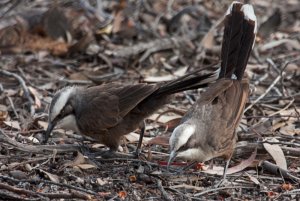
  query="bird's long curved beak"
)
[
  {"x": 172, "y": 156},
  {"x": 50, "y": 127}
]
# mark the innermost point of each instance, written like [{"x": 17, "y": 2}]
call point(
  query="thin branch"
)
[
  {"x": 37, "y": 148},
  {"x": 25, "y": 89},
  {"x": 50, "y": 182},
  {"x": 164, "y": 193},
  {"x": 222, "y": 188},
  {"x": 264, "y": 94}
]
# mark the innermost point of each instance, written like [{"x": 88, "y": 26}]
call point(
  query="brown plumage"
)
[
  {"x": 208, "y": 128},
  {"x": 109, "y": 111}
]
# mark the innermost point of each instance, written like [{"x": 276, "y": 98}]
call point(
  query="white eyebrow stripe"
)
[{"x": 61, "y": 102}]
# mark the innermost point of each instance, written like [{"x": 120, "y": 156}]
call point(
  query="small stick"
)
[
  {"x": 37, "y": 148},
  {"x": 12, "y": 106},
  {"x": 164, "y": 193},
  {"x": 24, "y": 86},
  {"x": 264, "y": 94},
  {"x": 222, "y": 188},
  {"x": 51, "y": 183}
]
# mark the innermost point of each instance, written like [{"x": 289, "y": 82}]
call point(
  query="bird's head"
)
[
  {"x": 61, "y": 111},
  {"x": 179, "y": 141}
]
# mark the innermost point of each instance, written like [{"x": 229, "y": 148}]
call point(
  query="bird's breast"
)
[
  {"x": 68, "y": 123},
  {"x": 195, "y": 154}
]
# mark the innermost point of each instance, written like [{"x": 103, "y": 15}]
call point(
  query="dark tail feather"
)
[
  {"x": 187, "y": 82},
  {"x": 238, "y": 39}
]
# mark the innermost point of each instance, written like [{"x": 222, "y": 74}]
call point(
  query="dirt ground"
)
[{"x": 46, "y": 45}]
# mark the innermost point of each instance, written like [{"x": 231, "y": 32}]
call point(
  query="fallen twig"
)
[
  {"x": 51, "y": 183},
  {"x": 222, "y": 188},
  {"x": 266, "y": 92},
  {"x": 274, "y": 169},
  {"x": 44, "y": 196},
  {"x": 25, "y": 89},
  {"x": 37, "y": 148},
  {"x": 164, "y": 193}
]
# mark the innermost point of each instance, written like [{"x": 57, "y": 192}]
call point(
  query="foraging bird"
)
[
  {"x": 208, "y": 128},
  {"x": 109, "y": 111}
]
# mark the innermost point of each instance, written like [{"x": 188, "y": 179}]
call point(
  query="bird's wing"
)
[
  {"x": 107, "y": 105},
  {"x": 130, "y": 96},
  {"x": 227, "y": 114},
  {"x": 240, "y": 97},
  {"x": 217, "y": 114}
]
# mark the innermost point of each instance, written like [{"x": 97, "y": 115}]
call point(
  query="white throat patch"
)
[{"x": 64, "y": 95}]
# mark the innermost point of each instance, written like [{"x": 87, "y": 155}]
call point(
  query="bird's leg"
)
[
  {"x": 138, "y": 148},
  {"x": 223, "y": 180}
]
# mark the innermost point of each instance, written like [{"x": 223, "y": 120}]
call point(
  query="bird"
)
[
  {"x": 208, "y": 129},
  {"x": 109, "y": 111}
]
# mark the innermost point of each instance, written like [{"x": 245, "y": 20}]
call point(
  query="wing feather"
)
[{"x": 106, "y": 105}]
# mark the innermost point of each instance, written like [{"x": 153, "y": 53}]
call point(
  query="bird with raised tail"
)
[
  {"x": 208, "y": 129},
  {"x": 109, "y": 111}
]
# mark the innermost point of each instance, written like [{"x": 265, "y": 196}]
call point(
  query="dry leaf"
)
[
  {"x": 105, "y": 30},
  {"x": 173, "y": 123},
  {"x": 132, "y": 178},
  {"x": 287, "y": 187},
  {"x": 43, "y": 124},
  {"x": 86, "y": 166},
  {"x": 163, "y": 118},
  {"x": 200, "y": 166},
  {"x": 159, "y": 140},
  {"x": 52, "y": 177},
  {"x": 13, "y": 124},
  {"x": 33, "y": 139},
  {"x": 290, "y": 129},
  {"x": 102, "y": 182},
  {"x": 164, "y": 78},
  {"x": 276, "y": 152},
  {"x": 134, "y": 137},
  {"x": 36, "y": 96},
  {"x": 271, "y": 194},
  {"x": 244, "y": 164},
  {"x": 293, "y": 43},
  {"x": 104, "y": 194},
  {"x": 208, "y": 40},
  {"x": 97, "y": 145},
  {"x": 253, "y": 179},
  {"x": 277, "y": 125},
  {"x": 78, "y": 160},
  {"x": 122, "y": 194},
  {"x": 3, "y": 113}
]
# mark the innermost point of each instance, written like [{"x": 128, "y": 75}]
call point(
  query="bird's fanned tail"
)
[{"x": 239, "y": 35}]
